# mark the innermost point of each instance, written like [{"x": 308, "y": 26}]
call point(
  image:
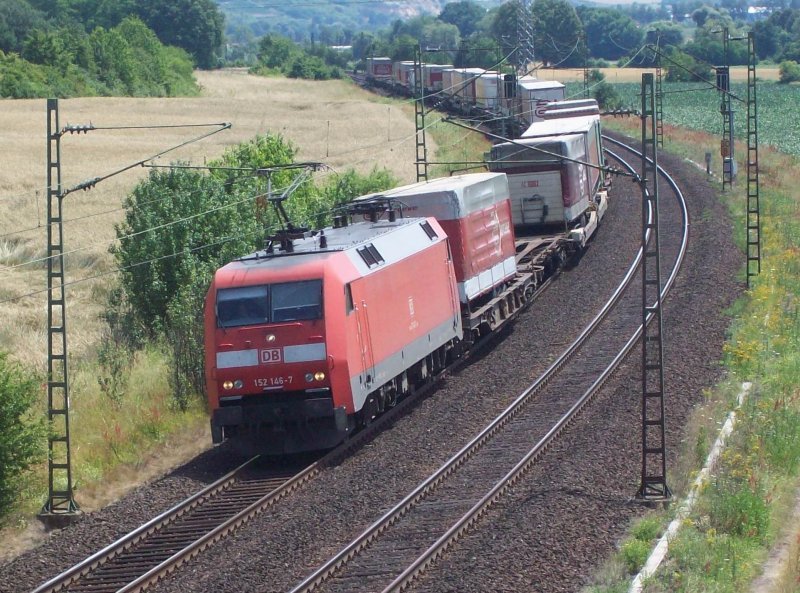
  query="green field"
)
[{"x": 696, "y": 106}]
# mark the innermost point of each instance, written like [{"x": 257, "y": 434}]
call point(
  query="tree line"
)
[
  {"x": 106, "y": 47},
  {"x": 688, "y": 38}
]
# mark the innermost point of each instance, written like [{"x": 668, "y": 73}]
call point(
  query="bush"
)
[
  {"x": 634, "y": 554},
  {"x": 21, "y": 435},
  {"x": 181, "y": 225},
  {"x": 789, "y": 71},
  {"x": 607, "y": 96}
]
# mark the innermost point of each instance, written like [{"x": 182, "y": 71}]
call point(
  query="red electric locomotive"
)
[
  {"x": 307, "y": 341},
  {"x": 304, "y": 343}
]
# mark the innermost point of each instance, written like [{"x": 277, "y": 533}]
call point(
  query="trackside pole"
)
[{"x": 653, "y": 487}]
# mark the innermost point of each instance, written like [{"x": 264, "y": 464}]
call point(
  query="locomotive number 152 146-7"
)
[{"x": 273, "y": 381}]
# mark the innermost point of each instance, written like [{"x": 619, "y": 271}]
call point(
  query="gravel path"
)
[{"x": 581, "y": 491}]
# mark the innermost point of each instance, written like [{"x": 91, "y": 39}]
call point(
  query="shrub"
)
[
  {"x": 607, "y": 96},
  {"x": 634, "y": 554},
  {"x": 20, "y": 434},
  {"x": 789, "y": 71}
]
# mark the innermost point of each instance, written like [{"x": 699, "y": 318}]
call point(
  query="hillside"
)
[{"x": 300, "y": 19}]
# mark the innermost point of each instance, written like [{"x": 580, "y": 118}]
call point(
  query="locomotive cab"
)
[{"x": 271, "y": 370}]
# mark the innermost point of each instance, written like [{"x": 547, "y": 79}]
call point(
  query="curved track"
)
[
  {"x": 401, "y": 544},
  {"x": 152, "y": 551}
]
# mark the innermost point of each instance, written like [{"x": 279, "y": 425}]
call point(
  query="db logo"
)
[
  {"x": 541, "y": 108},
  {"x": 271, "y": 355}
]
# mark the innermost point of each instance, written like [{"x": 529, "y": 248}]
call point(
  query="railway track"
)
[
  {"x": 407, "y": 539},
  {"x": 159, "y": 547}
]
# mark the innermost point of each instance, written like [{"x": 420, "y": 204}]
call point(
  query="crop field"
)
[
  {"x": 696, "y": 106},
  {"x": 333, "y": 122}
]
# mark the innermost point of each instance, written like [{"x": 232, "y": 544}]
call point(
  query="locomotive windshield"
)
[{"x": 269, "y": 303}]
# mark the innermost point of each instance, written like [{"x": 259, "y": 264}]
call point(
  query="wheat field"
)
[{"x": 333, "y": 122}]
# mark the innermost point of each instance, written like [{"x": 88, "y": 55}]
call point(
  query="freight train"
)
[
  {"x": 469, "y": 91},
  {"x": 316, "y": 335}
]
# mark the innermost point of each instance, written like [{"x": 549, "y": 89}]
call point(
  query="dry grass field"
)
[{"x": 333, "y": 122}]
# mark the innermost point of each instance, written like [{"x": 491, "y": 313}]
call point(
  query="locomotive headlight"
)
[
  {"x": 271, "y": 338},
  {"x": 227, "y": 385},
  {"x": 238, "y": 384},
  {"x": 309, "y": 377},
  {"x": 319, "y": 376}
]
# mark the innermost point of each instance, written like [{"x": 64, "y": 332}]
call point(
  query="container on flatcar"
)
[
  {"x": 547, "y": 189},
  {"x": 302, "y": 344},
  {"x": 534, "y": 94},
  {"x": 379, "y": 68},
  {"x": 432, "y": 76},
  {"x": 488, "y": 89},
  {"x": 475, "y": 212},
  {"x": 402, "y": 73}
]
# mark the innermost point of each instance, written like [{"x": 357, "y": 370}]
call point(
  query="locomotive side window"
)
[
  {"x": 297, "y": 301},
  {"x": 348, "y": 299},
  {"x": 248, "y": 305}
]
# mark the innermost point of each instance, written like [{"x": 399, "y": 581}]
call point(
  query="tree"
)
[
  {"x": 789, "y": 72},
  {"x": 466, "y": 15},
  {"x": 664, "y": 34},
  {"x": 557, "y": 32},
  {"x": 275, "y": 51},
  {"x": 609, "y": 33},
  {"x": 195, "y": 25},
  {"x": 17, "y": 20},
  {"x": 21, "y": 434},
  {"x": 503, "y": 28},
  {"x": 682, "y": 67}
]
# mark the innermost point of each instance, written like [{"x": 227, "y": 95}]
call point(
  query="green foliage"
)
[
  {"x": 557, "y": 33},
  {"x": 682, "y": 67},
  {"x": 606, "y": 95},
  {"x": 17, "y": 19},
  {"x": 789, "y": 71},
  {"x": 283, "y": 55},
  {"x": 465, "y": 15},
  {"x": 634, "y": 554},
  {"x": 126, "y": 60},
  {"x": 114, "y": 361},
  {"x": 196, "y": 26},
  {"x": 183, "y": 224},
  {"x": 610, "y": 34},
  {"x": 647, "y": 529},
  {"x": 176, "y": 220},
  {"x": 20, "y": 434}
]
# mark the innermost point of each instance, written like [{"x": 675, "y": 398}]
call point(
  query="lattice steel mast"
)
[
  {"x": 753, "y": 214},
  {"x": 525, "y": 39},
  {"x": 654, "y": 459},
  {"x": 60, "y": 506},
  {"x": 419, "y": 117}
]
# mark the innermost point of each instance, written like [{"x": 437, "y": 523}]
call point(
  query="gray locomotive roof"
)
[{"x": 338, "y": 239}]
